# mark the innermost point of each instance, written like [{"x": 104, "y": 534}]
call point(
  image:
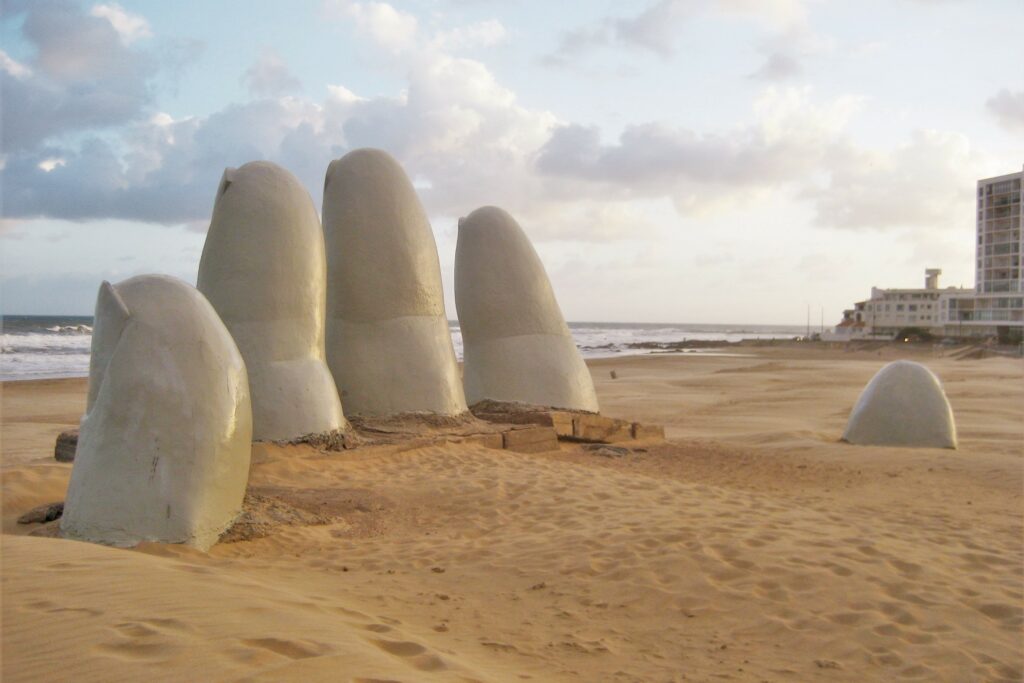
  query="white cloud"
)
[
  {"x": 48, "y": 165},
  {"x": 384, "y": 25},
  {"x": 926, "y": 183},
  {"x": 703, "y": 171},
  {"x": 14, "y": 68},
  {"x": 130, "y": 27},
  {"x": 468, "y": 141},
  {"x": 656, "y": 28},
  {"x": 779, "y": 13},
  {"x": 1008, "y": 108},
  {"x": 81, "y": 77},
  {"x": 480, "y": 34},
  {"x": 659, "y": 27},
  {"x": 778, "y": 65},
  {"x": 270, "y": 76}
]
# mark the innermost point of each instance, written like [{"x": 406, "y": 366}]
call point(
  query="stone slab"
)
[
  {"x": 648, "y": 432},
  {"x": 531, "y": 440},
  {"x": 596, "y": 428}
]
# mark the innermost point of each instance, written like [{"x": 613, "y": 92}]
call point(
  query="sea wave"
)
[{"x": 36, "y": 348}]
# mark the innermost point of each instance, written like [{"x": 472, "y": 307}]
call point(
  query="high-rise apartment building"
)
[{"x": 999, "y": 286}]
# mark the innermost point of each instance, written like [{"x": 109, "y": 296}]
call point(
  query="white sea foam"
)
[{"x": 45, "y": 348}]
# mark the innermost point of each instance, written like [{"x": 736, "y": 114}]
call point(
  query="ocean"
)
[{"x": 42, "y": 347}]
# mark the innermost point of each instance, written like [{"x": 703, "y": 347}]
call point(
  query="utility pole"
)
[{"x": 808, "y": 337}]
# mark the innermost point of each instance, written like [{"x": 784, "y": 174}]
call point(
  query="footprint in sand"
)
[
  {"x": 145, "y": 639},
  {"x": 416, "y": 654},
  {"x": 292, "y": 649}
]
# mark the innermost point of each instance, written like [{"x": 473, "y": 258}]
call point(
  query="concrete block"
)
[
  {"x": 562, "y": 422},
  {"x": 601, "y": 429},
  {"x": 654, "y": 432},
  {"x": 531, "y": 440}
]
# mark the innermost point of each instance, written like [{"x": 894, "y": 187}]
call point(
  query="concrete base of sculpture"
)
[
  {"x": 557, "y": 377},
  {"x": 164, "y": 446},
  {"x": 430, "y": 385},
  {"x": 902, "y": 405}
]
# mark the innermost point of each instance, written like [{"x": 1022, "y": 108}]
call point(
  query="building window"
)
[
  {"x": 913, "y": 307},
  {"x": 899, "y": 307}
]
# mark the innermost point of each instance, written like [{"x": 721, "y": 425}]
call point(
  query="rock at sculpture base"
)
[
  {"x": 264, "y": 271},
  {"x": 516, "y": 344},
  {"x": 41, "y": 514},
  {"x": 388, "y": 342},
  {"x": 66, "y": 445},
  {"x": 164, "y": 446},
  {"x": 902, "y": 405}
]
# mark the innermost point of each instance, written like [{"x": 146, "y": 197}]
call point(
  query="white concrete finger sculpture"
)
[
  {"x": 516, "y": 345},
  {"x": 902, "y": 405},
  {"x": 388, "y": 342},
  {"x": 263, "y": 269},
  {"x": 163, "y": 451}
]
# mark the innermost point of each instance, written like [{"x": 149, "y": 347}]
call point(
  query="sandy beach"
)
[{"x": 752, "y": 546}]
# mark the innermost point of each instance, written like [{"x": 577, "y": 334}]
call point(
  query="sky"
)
[{"x": 704, "y": 161}]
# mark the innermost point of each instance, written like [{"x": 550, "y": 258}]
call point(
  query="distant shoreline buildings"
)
[{"x": 993, "y": 308}]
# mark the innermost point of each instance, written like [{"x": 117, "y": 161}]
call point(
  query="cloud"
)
[
  {"x": 130, "y": 27},
  {"x": 790, "y": 139},
  {"x": 926, "y": 183},
  {"x": 778, "y": 66},
  {"x": 576, "y": 42},
  {"x": 480, "y": 34},
  {"x": 385, "y": 26},
  {"x": 1008, "y": 108},
  {"x": 270, "y": 76},
  {"x": 82, "y": 76},
  {"x": 468, "y": 141},
  {"x": 13, "y": 68},
  {"x": 655, "y": 28},
  {"x": 787, "y": 48},
  {"x": 659, "y": 27}
]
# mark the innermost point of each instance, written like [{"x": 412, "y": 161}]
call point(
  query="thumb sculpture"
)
[
  {"x": 163, "y": 450},
  {"x": 264, "y": 271},
  {"x": 516, "y": 345},
  {"x": 902, "y": 405},
  {"x": 388, "y": 342}
]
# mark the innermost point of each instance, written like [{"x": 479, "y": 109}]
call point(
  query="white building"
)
[
  {"x": 891, "y": 311},
  {"x": 995, "y": 307},
  {"x": 1000, "y": 242}
]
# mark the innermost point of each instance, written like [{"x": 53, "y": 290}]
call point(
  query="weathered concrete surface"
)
[
  {"x": 902, "y": 405},
  {"x": 264, "y": 271},
  {"x": 388, "y": 343},
  {"x": 601, "y": 429},
  {"x": 516, "y": 344},
  {"x": 530, "y": 439},
  {"x": 645, "y": 432},
  {"x": 164, "y": 446}
]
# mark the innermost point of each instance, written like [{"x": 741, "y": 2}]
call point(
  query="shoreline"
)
[{"x": 725, "y": 348}]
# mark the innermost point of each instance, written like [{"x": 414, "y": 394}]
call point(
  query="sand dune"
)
[{"x": 751, "y": 547}]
